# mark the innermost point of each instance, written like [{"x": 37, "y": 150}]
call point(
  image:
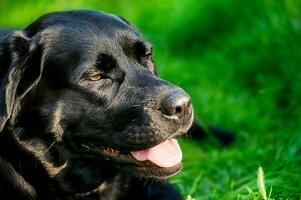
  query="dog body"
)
[{"x": 83, "y": 114}]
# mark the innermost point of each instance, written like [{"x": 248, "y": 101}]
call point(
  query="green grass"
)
[{"x": 241, "y": 63}]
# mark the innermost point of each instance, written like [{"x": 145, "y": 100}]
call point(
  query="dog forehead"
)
[
  {"x": 84, "y": 20},
  {"x": 67, "y": 43},
  {"x": 85, "y": 30},
  {"x": 75, "y": 44}
]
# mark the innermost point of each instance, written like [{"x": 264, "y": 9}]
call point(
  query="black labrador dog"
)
[{"x": 83, "y": 113}]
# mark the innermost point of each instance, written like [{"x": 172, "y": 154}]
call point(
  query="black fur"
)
[{"x": 56, "y": 122}]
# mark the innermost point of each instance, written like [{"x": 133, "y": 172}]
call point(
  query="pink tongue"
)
[{"x": 166, "y": 154}]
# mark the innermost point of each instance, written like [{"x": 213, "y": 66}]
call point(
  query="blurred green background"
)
[{"x": 241, "y": 63}]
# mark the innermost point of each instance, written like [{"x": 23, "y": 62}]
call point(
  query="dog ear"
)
[{"x": 20, "y": 70}]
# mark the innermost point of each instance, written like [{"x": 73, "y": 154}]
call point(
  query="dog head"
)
[{"x": 87, "y": 81}]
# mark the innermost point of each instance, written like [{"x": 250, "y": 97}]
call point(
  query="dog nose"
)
[{"x": 176, "y": 104}]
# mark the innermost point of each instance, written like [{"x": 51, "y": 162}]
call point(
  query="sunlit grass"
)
[
  {"x": 261, "y": 183},
  {"x": 240, "y": 61}
]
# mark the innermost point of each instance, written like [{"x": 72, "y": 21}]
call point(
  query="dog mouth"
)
[
  {"x": 166, "y": 154},
  {"x": 161, "y": 160}
]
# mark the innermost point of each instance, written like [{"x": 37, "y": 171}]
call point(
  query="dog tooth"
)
[{"x": 111, "y": 150}]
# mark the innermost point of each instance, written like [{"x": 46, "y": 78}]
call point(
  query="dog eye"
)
[
  {"x": 148, "y": 56},
  {"x": 96, "y": 77}
]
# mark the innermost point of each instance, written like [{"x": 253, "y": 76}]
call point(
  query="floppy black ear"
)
[{"x": 20, "y": 70}]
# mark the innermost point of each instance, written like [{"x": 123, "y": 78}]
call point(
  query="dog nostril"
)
[
  {"x": 178, "y": 110},
  {"x": 176, "y": 103}
]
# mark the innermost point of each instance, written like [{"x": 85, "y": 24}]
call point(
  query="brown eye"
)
[{"x": 96, "y": 77}]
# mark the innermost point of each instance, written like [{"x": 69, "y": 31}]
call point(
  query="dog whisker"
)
[
  {"x": 89, "y": 148},
  {"x": 51, "y": 145},
  {"x": 136, "y": 105}
]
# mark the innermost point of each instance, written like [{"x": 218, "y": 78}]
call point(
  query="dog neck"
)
[
  {"x": 72, "y": 174},
  {"x": 44, "y": 154}
]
